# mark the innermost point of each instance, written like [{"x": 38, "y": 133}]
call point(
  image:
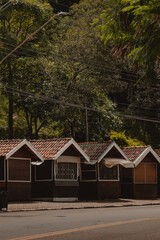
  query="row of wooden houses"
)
[{"x": 61, "y": 169}]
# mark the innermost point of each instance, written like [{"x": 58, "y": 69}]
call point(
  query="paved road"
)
[{"x": 125, "y": 223}]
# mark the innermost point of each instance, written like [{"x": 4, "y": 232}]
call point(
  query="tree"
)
[
  {"x": 124, "y": 141},
  {"x": 16, "y": 22},
  {"x": 132, "y": 29},
  {"x": 79, "y": 59}
]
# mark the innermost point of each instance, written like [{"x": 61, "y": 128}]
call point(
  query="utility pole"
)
[{"x": 86, "y": 127}]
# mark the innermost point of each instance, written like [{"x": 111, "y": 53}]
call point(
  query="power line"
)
[
  {"x": 5, "y": 6},
  {"x": 31, "y": 35},
  {"x": 43, "y": 98}
]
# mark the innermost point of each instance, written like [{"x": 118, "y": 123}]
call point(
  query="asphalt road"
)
[{"x": 123, "y": 223}]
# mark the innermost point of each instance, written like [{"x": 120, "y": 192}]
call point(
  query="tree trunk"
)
[
  {"x": 29, "y": 123},
  {"x": 36, "y": 128}
]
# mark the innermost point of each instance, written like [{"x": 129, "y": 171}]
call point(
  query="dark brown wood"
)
[
  {"x": 71, "y": 151},
  {"x": 145, "y": 191},
  {"x": 114, "y": 153},
  {"x": 66, "y": 192},
  {"x": 144, "y": 172},
  {"x": 42, "y": 189},
  {"x": 19, "y": 170},
  {"x": 2, "y": 173},
  {"x": 44, "y": 171},
  {"x": 109, "y": 189},
  {"x": 18, "y": 191},
  {"x": 88, "y": 191}
]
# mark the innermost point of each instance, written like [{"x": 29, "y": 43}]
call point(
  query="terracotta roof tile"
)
[
  {"x": 7, "y": 145},
  {"x": 134, "y": 152},
  {"x": 48, "y": 148},
  {"x": 94, "y": 149},
  {"x": 158, "y": 152}
]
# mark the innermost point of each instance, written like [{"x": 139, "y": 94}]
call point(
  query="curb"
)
[{"x": 85, "y": 207}]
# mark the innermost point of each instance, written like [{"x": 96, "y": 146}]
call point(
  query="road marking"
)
[{"x": 50, "y": 234}]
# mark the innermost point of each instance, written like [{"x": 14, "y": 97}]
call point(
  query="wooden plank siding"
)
[
  {"x": 141, "y": 182},
  {"x": 109, "y": 189},
  {"x": 42, "y": 180},
  {"x": 19, "y": 191},
  {"x": 48, "y": 186},
  {"x": 19, "y": 175},
  {"x": 146, "y": 178},
  {"x": 127, "y": 178},
  {"x": 64, "y": 188},
  {"x": 19, "y": 170},
  {"x": 99, "y": 188}
]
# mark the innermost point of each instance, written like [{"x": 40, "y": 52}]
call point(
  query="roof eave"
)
[
  {"x": 67, "y": 145},
  {"x": 143, "y": 155},
  {"x": 113, "y": 144},
  {"x": 24, "y": 142}
]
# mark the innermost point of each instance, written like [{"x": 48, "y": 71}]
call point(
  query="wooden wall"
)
[
  {"x": 19, "y": 176},
  {"x": 52, "y": 188},
  {"x": 145, "y": 191},
  {"x": 42, "y": 187},
  {"x": 109, "y": 189},
  {"x": 19, "y": 191},
  {"x": 88, "y": 191}
]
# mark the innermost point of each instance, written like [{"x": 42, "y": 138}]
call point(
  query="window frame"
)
[
  {"x": 44, "y": 180},
  {"x": 64, "y": 179},
  {"x": 145, "y": 182},
  {"x": 17, "y": 158},
  {"x": 4, "y": 180},
  {"x": 109, "y": 180},
  {"x": 89, "y": 180}
]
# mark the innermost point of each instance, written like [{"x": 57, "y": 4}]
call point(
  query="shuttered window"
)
[
  {"x": 146, "y": 173},
  {"x": 19, "y": 170},
  {"x": 140, "y": 173}
]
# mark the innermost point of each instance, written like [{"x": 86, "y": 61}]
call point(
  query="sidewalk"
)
[{"x": 39, "y": 205}]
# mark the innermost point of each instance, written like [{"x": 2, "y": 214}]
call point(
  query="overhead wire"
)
[
  {"x": 5, "y": 6},
  {"x": 67, "y": 104},
  {"x": 128, "y": 73}
]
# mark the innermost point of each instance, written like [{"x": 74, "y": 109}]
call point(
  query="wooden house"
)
[
  {"x": 16, "y": 158},
  {"x": 142, "y": 181},
  {"x": 57, "y": 178},
  {"x": 158, "y": 153},
  {"x": 100, "y": 178}
]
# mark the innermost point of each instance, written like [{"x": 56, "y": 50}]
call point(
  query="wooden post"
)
[{"x": 86, "y": 129}]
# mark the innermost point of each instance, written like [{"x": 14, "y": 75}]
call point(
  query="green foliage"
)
[
  {"x": 123, "y": 141},
  {"x": 132, "y": 28}
]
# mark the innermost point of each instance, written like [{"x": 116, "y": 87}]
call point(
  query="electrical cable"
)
[
  {"x": 43, "y": 98},
  {"x": 31, "y": 35},
  {"x": 5, "y": 6}
]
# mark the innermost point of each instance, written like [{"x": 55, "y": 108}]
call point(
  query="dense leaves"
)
[
  {"x": 61, "y": 83},
  {"x": 132, "y": 28}
]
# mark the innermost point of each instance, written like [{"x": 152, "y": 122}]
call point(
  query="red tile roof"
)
[
  {"x": 94, "y": 149},
  {"x": 7, "y": 145},
  {"x": 134, "y": 152},
  {"x": 158, "y": 152},
  {"x": 48, "y": 148}
]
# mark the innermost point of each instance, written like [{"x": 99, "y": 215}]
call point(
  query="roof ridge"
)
[
  {"x": 49, "y": 139},
  {"x": 11, "y": 140},
  {"x": 145, "y": 146},
  {"x": 109, "y": 141}
]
